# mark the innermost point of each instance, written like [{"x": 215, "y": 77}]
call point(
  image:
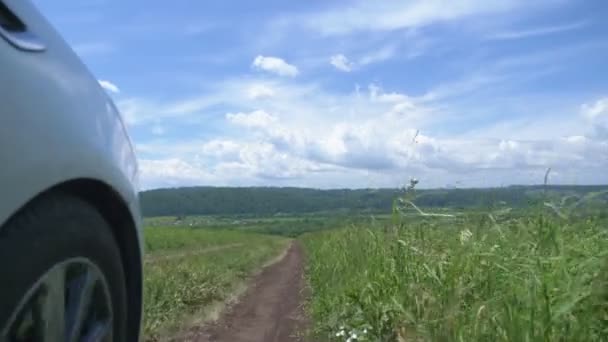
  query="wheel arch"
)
[{"x": 115, "y": 210}]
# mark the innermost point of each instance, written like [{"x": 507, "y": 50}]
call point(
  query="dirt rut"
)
[{"x": 270, "y": 310}]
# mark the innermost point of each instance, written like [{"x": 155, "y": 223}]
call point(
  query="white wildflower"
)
[
  {"x": 465, "y": 235},
  {"x": 340, "y": 333}
]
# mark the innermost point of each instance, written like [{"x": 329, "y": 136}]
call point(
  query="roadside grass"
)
[
  {"x": 168, "y": 239},
  {"x": 284, "y": 225},
  {"x": 178, "y": 284},
  {"x": 467, "y": 278}
]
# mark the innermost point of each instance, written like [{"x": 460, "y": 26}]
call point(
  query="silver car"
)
[{"x": 70, "y": 243}]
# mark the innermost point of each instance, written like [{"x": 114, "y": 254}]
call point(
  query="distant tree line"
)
[{"x": 275, "y": 200}]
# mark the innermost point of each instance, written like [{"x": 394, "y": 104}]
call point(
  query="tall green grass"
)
[
  {"x": 467, "y": 278},
  {"x": 167, "y": 239}
]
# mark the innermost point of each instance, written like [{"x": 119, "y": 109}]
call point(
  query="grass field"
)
[
  {"x": 284, "y": 225},
  {"x": 187, "y": 269},
  {"x": 535, "y": 273},
  {"x": 467, "y": 278}
]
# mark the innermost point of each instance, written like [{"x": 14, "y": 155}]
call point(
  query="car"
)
[{"x": 70, "y": 237}]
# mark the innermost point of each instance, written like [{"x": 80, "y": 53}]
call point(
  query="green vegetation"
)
[
  {"x": 180, "y": 238},
  {"x": 290, "y": 226},
  {"x": 188, "y": 269},
  {"x": 473, "y": 277},
  {"x": 508, "y": 264},
  {"x": 264, "y": 201}
]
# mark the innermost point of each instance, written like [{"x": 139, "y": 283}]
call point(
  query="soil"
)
[{"x": 270, "y": 310}]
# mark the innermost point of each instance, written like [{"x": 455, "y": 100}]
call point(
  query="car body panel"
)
[
  {"x": 58, "y": 125},
  {"x": 56, "y": 122}
]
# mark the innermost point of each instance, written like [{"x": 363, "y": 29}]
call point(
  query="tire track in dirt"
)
[{"x": 270, "y": 310}]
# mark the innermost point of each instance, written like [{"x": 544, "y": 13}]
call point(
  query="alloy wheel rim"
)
[{"x": 70, "y": 302}]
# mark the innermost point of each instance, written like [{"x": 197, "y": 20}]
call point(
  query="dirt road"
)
[{"x": 269, "y": 311}]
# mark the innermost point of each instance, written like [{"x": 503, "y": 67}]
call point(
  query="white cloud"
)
[
  {"x": 265, "y": 161},
  {"x": 377, "y": 54},
  {"x": 257, "y": 118},
  {"x": 137, "y": 110},
  {"x": 341, "y": 63},
  {"x": 305, "y": 136},
  {"x": 242, "y": 93},
  {"x": 260, "y": 91},
  {"x": 380, "y": 55},
  {"x": 234, "y": 163},
  {"x": 597, "y": 110},
  {"x": 597, "y": 114},
  {"x": 376, "y": 94},
  {"x": 386, "y": 15},
  {"x": 170, "y": 172},
  {"x": 361, "y": 142},
  {"x": 141, "y": 110},
  {"x": 275, "y": 65},
  {"x": 539, "y": 31},
  {"x": 224, "y": 149},
  {"x": 169, "y": 168},
  {"x": 107, "y": 85}
]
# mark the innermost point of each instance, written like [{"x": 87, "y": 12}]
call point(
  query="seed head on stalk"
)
[{"x": 408, "y": 199}]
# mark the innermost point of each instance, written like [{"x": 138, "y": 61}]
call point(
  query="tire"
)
[{"x": 61, "y": 232}]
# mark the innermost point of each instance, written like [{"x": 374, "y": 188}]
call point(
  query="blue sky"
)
[{"x": 356, "y": 94}]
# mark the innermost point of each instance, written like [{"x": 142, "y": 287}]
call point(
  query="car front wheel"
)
[{"x": 62, "y": 276}]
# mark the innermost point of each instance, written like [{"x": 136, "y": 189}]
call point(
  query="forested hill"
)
[{"x": 272, "y": 200}]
